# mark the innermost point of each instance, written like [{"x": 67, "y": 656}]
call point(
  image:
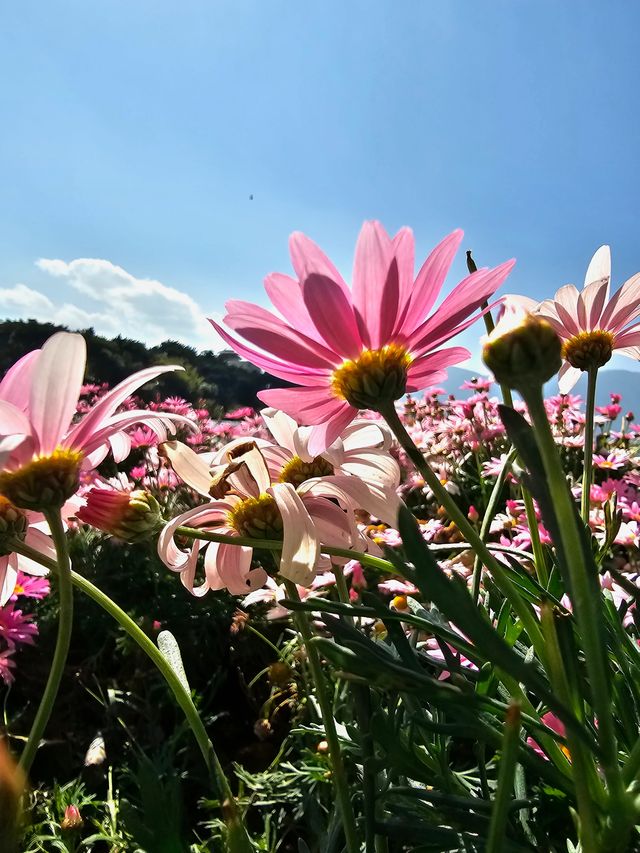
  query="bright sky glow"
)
[{"x": 182, "y": 143}]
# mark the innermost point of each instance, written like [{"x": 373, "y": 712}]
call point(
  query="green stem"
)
[
  {"x": 490, "y": 513},
  {"x": 466, "y": 528},
  {"x": 337, "y": 764},
  {"x": 632, "y": 766},
  {"x": 583, "y": 769},
  {"x": 65, "y": 624},
  {"x": 504, "y": 791},
  {"x": 341, "y": 584},
  {"x": 587, "y": 475},
  {"x": 276, "y": 545},
  {"x": 539, "y": 558},
  {"x": 586, "y": 604},
  {"x": 182, "y": 696}
]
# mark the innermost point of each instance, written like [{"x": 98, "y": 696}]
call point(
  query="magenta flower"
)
[
  {"x": 41, "y": 447},
  {"x": 591, "y": 325},
  {"x": 351, "y": 350}
]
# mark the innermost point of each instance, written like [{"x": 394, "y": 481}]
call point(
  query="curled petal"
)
[{"x": 300, "y": 546}]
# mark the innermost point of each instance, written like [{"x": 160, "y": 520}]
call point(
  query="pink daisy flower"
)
[
  {"x": 260, "y": 495},
  {"x": 360, "y": 348},
  {"x": 593, "y": 326},
  {"x": 42, "y": 449}
]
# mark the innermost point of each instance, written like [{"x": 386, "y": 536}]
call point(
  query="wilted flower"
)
[
  {"x": 361, "y": 348},
  {"x": 256, "y": 498}
]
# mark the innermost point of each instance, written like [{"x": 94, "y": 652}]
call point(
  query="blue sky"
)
[{"x": 135, "y": 134}]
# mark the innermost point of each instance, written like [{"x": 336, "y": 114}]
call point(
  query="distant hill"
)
[
  {"x": 224, "y": 381},
  {"x": 614, "y": 381}
]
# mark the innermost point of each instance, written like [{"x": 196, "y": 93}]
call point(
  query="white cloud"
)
[
  {"x": 25, "y": 299},
  {"x": 94, "y": 292}
]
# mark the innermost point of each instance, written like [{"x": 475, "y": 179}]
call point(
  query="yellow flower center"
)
[
  {"x": 257, "y": 518},
  {"x": 297, "y": 471},
  {"x": 588, "y": 349},
  {"x": 376, "y": 376},
  {"x": 46, "y": 482}
]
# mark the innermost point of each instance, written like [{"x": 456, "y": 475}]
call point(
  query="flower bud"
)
[
  {"x": 279, "y": 673},
  {"x": 523, "y": 351},
  {"x": 72, "y": 819},
  {"x": 13, "y": 525},
  {"x": 130, "y": 516}
]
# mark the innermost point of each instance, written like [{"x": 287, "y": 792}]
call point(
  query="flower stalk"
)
[
  {"x": 587, "y": 475},
  {"x": 63, "y": 640},
  {"x": 182, "y": 696},
  {"x": 337, "y": 764},
  {"x": 585, "y": 597},
  {"x": 466, "y": 528}
]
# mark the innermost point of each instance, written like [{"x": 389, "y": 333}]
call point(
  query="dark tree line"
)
[{"x": 219, "y": 380}]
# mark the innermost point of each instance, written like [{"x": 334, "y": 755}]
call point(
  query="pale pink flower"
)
[
  {"x": 38, "y": 399},
  {"x": 591, "y": 325},
  {"x": 334, "y": 342},
  {"x": 260, "y": 495}
]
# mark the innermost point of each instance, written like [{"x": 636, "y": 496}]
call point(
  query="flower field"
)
[{"x": 370, "y": 616}]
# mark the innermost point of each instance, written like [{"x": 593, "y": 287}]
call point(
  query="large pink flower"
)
[
  {"x": 41, "y": 448},
  {"x": 591, "y": 325},
  {"x": 356, "y": 349}
]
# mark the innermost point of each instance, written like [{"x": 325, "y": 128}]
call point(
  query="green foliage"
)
[{"x": 221, "y": 380}]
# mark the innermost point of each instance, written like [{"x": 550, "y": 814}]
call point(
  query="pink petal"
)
[
  {"x": 331, "y": 522},
  {"x": 189, "y": 466},
  {"x": 300, "y": 546},
  {"x": 10, "y": 444},
  {"x": 306, "y": 405},
  {"x": 8, "y": 577},
  {"x": 211, "y": 573},
  {"x": 599, "y": 267},
  {"x": 429, "y": 281},
  {"x": 257, "y": 468},
  {"x": 308, "y": 258},
  {"x": 39, "y": 541},
  {"x": 629, "y": 338},
  {"x": 55, "y": 388},
  {"x": 403, "y": 246},
  {"x": 282, "y": 427},
  {"x": 332, "y": 315},
  {"x": 107, "y": 405},
  {"x": 373, "y": 256},
  {"x": 567, "y": 377},
  {"x": 13, "y": 420},
  {"x": 463, "y": 300},
  {"x": 286, "y": 295},
  {"x": 16, "y": 384},
  {"x": 382, "y": 503},
  {"x": 591, "y": 302},
  {"x": 324, "y": 434},
  {"x": 275, "y": 368},
  {"x": 123, "y": 420},
  {"x": 566, "y": 305},
  {"x": 425, "y": 380},
  {"x": 275, "y": 337},
  {"x": 624, "y": 305},
  {"x": 234, "y": 569}
]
